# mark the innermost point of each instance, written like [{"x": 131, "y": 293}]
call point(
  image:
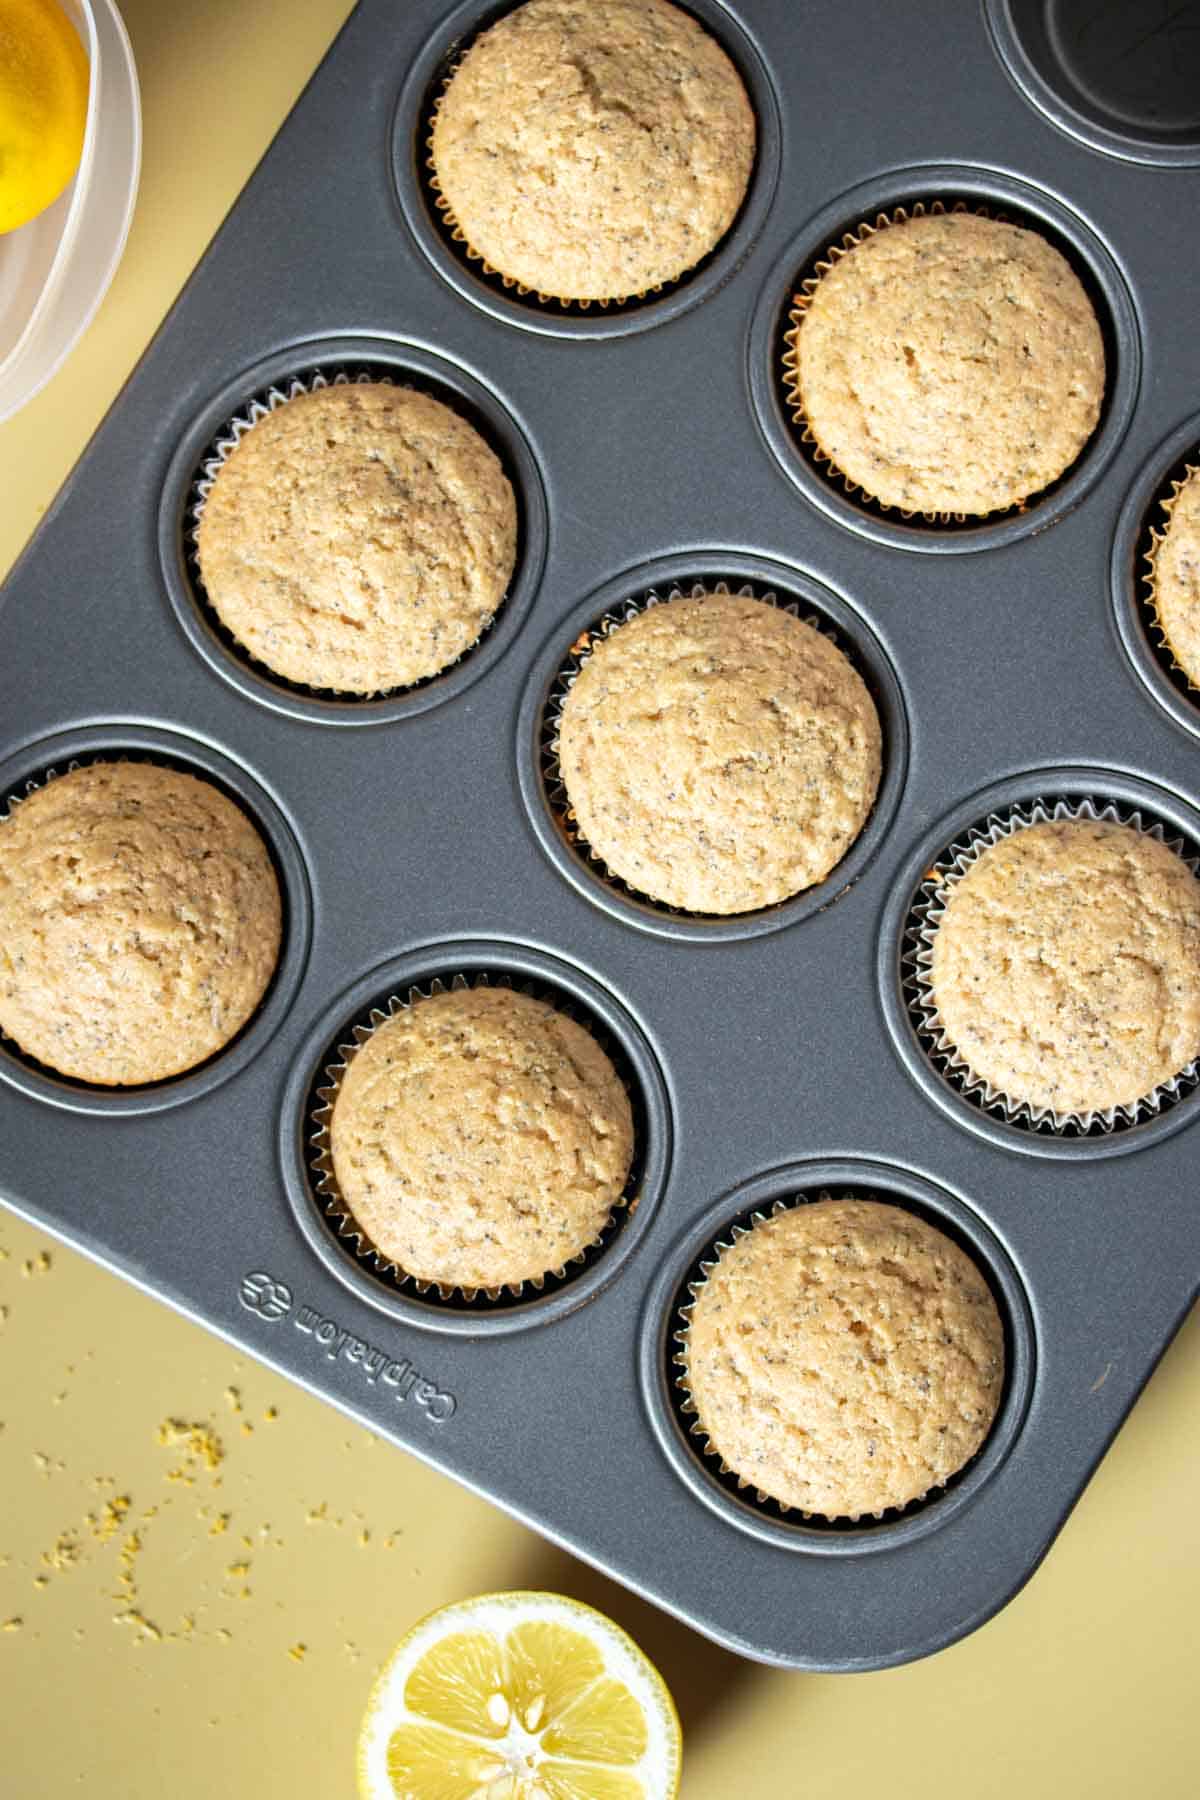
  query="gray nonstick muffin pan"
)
[{"x": 419, "y": 835}]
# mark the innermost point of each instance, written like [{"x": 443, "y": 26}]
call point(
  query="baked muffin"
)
[
  {"x": 140, "y": 922},
  {"x": 480, "y": 1138},
  {"x": 360, "y": 537},
  {"x": 844, "y": 1357},
  {"x": 1176, "y": 578},
  {"x": 948, "y": 364},
  {"x": 592, "y": 149},
  {"x": 1066, "y": 967},
  {"x": 718, "y": 753}
]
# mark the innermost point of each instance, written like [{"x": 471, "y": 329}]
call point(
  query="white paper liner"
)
[
  {"x": 30, "y": 785},
  {"x": 682, "y": 1318},
  {"x": 447, "y": 219},
  {"x": 258, "y": 407},
  {"x": 916, "y": 958},
  {"x": 351, "y": 1236},
  {"x": 579, "y": 653},
  {"x": 789, "y": 372},
  {"x": 1152, "y": 539}
]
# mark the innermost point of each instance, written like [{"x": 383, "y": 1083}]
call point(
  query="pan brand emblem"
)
[
  {"x": 271, "y": 1300},
  {"x": 262, "y": 1294}
]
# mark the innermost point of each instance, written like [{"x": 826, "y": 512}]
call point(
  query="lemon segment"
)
[
  {"x": 519, "y": 1696},
  {"x": 560, "y": 1781},
  {"x": 424, "y": 1760},
  {"x": 43, "y": 107},
  {"x": 459, "y": 1683},
  {"x": 605, "y": 1723},
  {"x": 551, "y": 1667}
]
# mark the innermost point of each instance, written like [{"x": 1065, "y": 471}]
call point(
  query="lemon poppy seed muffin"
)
[
  {"x": 140, "y": 922},
  {"x": 1177, "y": 578},
  {"x": 1066, "y": 967},
  {"x": 949, "y": 364},
  {"x": 591, "y": 149},
  {"x": 360, "y": 537},
  {"x": 481, "y": 1138},
  {"x": 718, "y": 753},
  {"x": 844, "y": 1357}
]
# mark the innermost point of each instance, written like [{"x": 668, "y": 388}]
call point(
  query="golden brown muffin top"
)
[
  {"x": 1066, "y": 969},
  {"x": 719, "y": 754},
  {"x": 360, "y": 537},
  {"x": 481, "y": 1138},
  {"x": 140, "y": 922},
  {"x": 950, "y": 364},
  {"x": 1177, "y": 579},
  {"x": 592, "y": 149},
  {"x": 845, "y": 1357}
]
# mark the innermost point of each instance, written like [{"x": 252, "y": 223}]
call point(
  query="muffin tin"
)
[{"x": 418, "y": 835}]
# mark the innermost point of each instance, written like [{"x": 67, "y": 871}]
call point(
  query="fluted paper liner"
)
[
  {"x": 30, "y": 785},
  {"x": 916, "y": 958},
  {"x": 802, "y": 299},
  {"x": 578, "y": 654},
  {"x": 351, "y": 1236},
  {"x": 448, "y": 221},
  {"x": 679, "y": 1330},
  {"x": 257, "y": 407},
  {"x": 1153, "y": 536}
]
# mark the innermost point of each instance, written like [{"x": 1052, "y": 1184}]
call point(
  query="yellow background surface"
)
[{"x": 261, "y": 1592}]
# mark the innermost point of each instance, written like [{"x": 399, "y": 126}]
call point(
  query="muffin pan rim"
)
[
  {"x": 791, "y": 582},
  {"x": 415, "y": 967},
  {"x": 881, "y": 1180},
  {"x": 407, "y": 142},
  {"x": 1100, "y": 781},
  {"x": 1126, "y": 574},
  {"x": 1041, "y": 94},
  {"x": 926, "y": 182},
  {"x": 144, "y": 1199},
  {"x": 266, "y": 812},
  {"x": 443, "y": 376}
]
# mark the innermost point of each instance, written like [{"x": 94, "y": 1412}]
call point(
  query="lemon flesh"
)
[
  {"x": 43, "y": 107},
  {"x": 519, "y": 1697}
]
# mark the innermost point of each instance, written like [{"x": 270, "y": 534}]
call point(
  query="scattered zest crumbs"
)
[
  {"x": 111, "y": 1518},
  {"x": 144, "y": 1626},
  {"x": 199, "y": 1440},
  {"x": 12, "y": 1624},
  {"x": 298, "y": 1652},
  {"x": 64, "y": 1554}
]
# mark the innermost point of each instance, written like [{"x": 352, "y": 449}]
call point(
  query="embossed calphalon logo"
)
[
  {"x": 271, "y": 1299},
  {"x": 260, "y": 1293}
]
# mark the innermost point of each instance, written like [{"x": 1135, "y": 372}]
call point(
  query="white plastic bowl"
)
[{"x": 55, "y": 271}]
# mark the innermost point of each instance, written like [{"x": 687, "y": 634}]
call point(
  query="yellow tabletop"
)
[{"x": 200, "y": 1567}]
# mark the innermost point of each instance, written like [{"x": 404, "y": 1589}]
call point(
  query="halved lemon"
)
[
  {"x": 519, "y": 1696},
  {"x": 44, "y": 79}
]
